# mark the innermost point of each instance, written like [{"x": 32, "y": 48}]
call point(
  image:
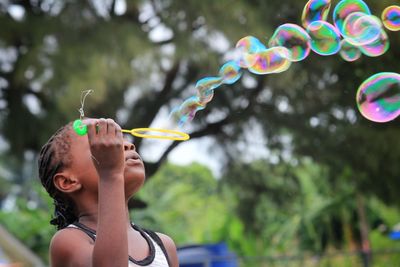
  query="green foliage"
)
[
  {"x": 184, "y": 203},
  {"x": 29, "y": 222},
  {"x": 294, "y": 206}
]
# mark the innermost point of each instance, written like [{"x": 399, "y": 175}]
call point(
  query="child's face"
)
[{"x": 83, "y": 166}]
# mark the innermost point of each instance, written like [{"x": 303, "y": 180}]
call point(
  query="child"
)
[{"x": 91, "y": 179}]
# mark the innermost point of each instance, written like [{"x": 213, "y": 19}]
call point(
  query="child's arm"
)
[
  {"x": 107, "y": 147},
  {"x": 71, "y": 248}
]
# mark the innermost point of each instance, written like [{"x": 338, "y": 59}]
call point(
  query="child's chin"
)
[
  {"x": 133, "y": 183},
  {"x": 134, "y": 176}
]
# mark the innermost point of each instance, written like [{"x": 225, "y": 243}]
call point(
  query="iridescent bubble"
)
[
  {"x": 345, "y": 8},
  {"x": 246, "y": 48},
  {"x": 205, "y": 88},
  {"x": 378, "y": 97},
  {"x": 391, "y": 18},
  {"x": 378, "y": 47},
  {"x": 349, "y": 52},
  {"x": 315, "y": 10},
  {"x": 250, "y": 44},
  {"x": 205, "y": 97},
  {"x": 272, "y": 60},
  {"x": 230, "y": 72},
  {"x": 325, "y": 38},
  {"x": 294, "y": 38},
  {"x": 175, "y": 115},
  {"x": 189, "y": 108},
  {"x": 361, "y": 29}
]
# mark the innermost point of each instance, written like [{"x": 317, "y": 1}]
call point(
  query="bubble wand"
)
[{"x": 81, "y": 129}]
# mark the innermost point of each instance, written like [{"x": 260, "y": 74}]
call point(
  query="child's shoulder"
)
[
  {"x": 167, "y": 241},
  {"x": 71, "y": 244},
  {"x": 170, "y": 247}
]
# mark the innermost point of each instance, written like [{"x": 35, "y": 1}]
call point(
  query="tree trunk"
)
[{"x": 366, "y": 254}]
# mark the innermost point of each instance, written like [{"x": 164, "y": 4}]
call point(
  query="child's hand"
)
[{"x": 107, "y": 147}]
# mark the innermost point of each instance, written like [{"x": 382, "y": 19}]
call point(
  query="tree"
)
[{"x": 294, "y": 206}]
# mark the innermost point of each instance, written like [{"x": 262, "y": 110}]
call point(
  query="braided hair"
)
[{"x": 53, "y": 157}]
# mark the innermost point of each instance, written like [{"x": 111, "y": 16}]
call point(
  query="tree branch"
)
[
  {"x": 142, "y": 114},
  {"x": 112, "y": 8}
]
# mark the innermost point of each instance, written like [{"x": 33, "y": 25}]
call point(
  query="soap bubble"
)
[
  {"x": 378, "y": 47},
  {"x": 205, "y": 88},
  {"x": 391, "y": 18},
  {"x": 246, "y": 49},
  {"x": 315, "y": 10},
  {"x": 250, "y": 44},
  {"x": 189, "y": 108},
  {"x": 294, "y": 38},
  {"x": 349, "y": 52},
  {"x": 344, "y": 8},
  {"x": 272, "y": 60},
  {"x": 378, "y": 97},
  {"x": 325, "y": 38},
  {"x": 361, "y": 29},
  {"x": 230, "y": 72}
]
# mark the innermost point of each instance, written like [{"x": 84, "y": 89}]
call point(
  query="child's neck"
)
[{"x": 90, "y": 218}]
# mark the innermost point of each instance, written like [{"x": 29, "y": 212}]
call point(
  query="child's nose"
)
[{"x": 129, "y": 146}]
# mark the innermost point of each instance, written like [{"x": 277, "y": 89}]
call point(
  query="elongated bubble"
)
[
  {"x": 378, "y": 97},
  {"x": 205, "y": 88},
  {"x": 189, "y": 108},
  {"x": 325, "y": 38},
  {"x": 315, "y": 10},
  {"x": 272, "y": 60},
  {"x": 175, "y": 116},
  {"x": 230, "y": 72},
  {"x": 294, "y": 38}
]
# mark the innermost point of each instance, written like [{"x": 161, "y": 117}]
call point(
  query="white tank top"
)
[{"x": 157, "y": 257}]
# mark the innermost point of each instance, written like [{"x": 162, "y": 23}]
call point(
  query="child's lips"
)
[
  {"x": 132, "y": 158},
  {"x": 132, "y": 162},
  {"x": 132, "y": 155}
]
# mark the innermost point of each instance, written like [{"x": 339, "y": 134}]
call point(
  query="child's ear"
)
[{"x": 66, "y": 183}]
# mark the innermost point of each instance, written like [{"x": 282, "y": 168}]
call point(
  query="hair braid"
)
[{"x": 53, "y": 157}]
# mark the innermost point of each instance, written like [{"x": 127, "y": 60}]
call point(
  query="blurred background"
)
[{"x": 282, "y": 168}]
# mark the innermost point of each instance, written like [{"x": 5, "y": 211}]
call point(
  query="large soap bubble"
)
[
  {"x": 294, "y": 38},
  {"x": 378, "y": 97}
]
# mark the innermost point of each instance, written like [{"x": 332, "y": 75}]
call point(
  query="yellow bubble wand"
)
[{"x": 81, "y": 129}]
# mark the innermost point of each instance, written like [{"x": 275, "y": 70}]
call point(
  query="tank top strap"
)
[
  {"x": 90, "y": 232},
  {"x": 148, "y": 235},
  {"x": 156, "y": 239}
]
